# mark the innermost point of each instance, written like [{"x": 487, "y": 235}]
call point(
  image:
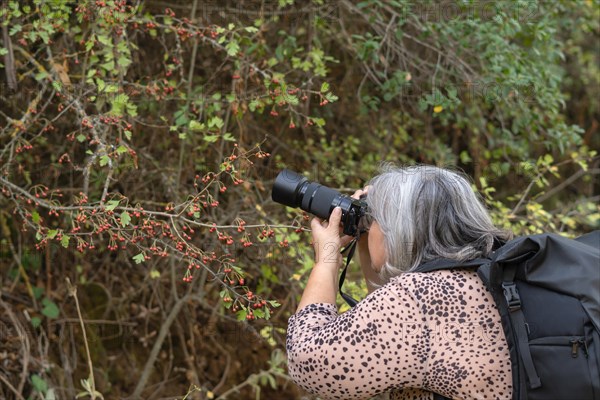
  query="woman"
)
[{"x": 415, "y": 334}]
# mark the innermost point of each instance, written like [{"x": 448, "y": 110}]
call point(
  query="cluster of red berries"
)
[
  {"x": 259, "y": 304},
  {"x": 246, "y": 242},
  {"x": 206, "y": 178},
  {"x": 267, "y": 234},
  {"x": 48, "y": 128},
  {"x": 102, "y": 228},
  {"x": 86, "y": 123},
  {"x": 64, "y": 159},
  {"x": 262, "y": 154},
  {"x": 23, "y": 148},
  {"x": 109, "y": 120},
  {"x": 241, "y": 226},
  {"x": 225, "y": 238}
]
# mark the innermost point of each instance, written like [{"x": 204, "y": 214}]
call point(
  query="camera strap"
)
[{"x": 350, "y": 248}]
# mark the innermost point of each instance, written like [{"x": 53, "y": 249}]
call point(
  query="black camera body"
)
[{"x": 294, "y": 190}]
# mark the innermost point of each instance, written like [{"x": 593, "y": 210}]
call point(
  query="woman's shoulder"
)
[
  {"x": 445, "y": 284},
  {"x": 457, "y": 275}
]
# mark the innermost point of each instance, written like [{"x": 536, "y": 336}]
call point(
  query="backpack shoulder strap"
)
[{"x": 445, "y": 263}]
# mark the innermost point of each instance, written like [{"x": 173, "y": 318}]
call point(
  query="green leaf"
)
[
  {"x": 105, "y": 40},
  {"x": 122, "y": 149},
  {"x": 216, "y": 122},
  {"x": 37, "y": 292},
  {"x": 139, "y": 258},
  {"x": 64, "y": 241},
  {"x": 15, "y": 29},
  {"x": 232, "y": 48},
  {"x": 274, "y": 303},
  {"x": 241, "y": 315},
  {"x": 319, "y": 121},
  {"x": 36, "y": 321},
  {"x": 52, "y": 233},
  {"x": 101, "y": 84},
  {"x": 41, "y": 76},
  {"x": 228, "y": 137},
  {"x": 128, "y": 135},
  {"x": 112, "y": 204},
  {"x": 211, "y": 138},
  {"x": 324, "y": 87},
  {"x": 331, "y": 97},
  {"x": 196, "y": 126},
  {"x": 108, "y": 66},
  {"x": 3, "y": 51},
  {"x": 125, "y": 219},
  {"x": 39, "y": 384},
  {"x": 180, "y": 118},
  {"x": 111, "y": 88},
  {"x": 35, "y": 217},
  {"x": 104, "y": 160},
  {"x": 124, "y": 62},
  {"x": 50, "y": 309},
  {"x": 154, "y": 274},
  {"x": 81, "y": 138}
]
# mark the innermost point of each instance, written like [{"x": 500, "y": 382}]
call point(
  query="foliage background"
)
[{"x": 139, "y": 142}]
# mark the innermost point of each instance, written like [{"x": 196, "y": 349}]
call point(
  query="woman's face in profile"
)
[{"x": 376, "y": 247}]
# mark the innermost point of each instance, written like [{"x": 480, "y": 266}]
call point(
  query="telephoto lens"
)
[{"x": 294, "y": 190}]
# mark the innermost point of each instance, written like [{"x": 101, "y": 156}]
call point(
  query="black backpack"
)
[{"x": 547, "y": 289}]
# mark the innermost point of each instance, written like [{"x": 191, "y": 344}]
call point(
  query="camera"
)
[{"x": 294, "y": 190}]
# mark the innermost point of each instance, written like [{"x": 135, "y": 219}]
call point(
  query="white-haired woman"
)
[{"x": 415, "y": 334}]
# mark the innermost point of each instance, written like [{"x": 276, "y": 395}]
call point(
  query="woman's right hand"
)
[
  {"x": 365, "y": 235},
  {"x": 364, "y": 255},
  {"x": 346, "y": 239}
]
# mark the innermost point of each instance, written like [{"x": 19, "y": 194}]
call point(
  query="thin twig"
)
[
  {"x": 11, "y": 387},
  {"x": 164, "y": 330},
  {"x": 73, "y": 292},
  {"x": 25, "y": 348},
  {"x": 567, "y": 182}
]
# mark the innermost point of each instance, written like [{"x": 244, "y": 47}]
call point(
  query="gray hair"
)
[{"x": 426, "y": 212}]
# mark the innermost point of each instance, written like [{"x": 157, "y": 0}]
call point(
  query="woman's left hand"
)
[{"x": 326, "y": 239}]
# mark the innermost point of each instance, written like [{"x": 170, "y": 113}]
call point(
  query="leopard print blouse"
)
[{"x": 420, "y": 333}]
